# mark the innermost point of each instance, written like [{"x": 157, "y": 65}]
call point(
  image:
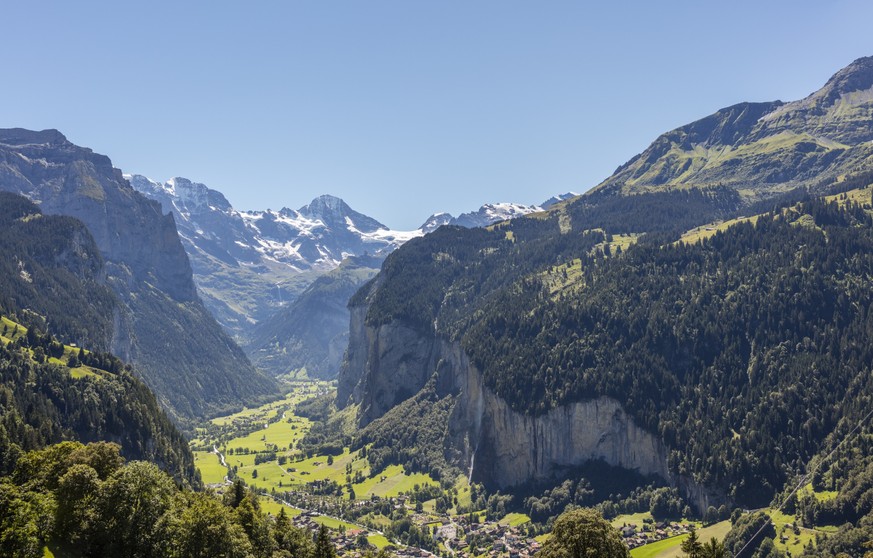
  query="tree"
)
[
  {"x": 584, "y": 532},
  {"x": 714, "y": 549},
  {"x": 323, "y": 546},
  {"x": 290, "y": 539},
  {"x": 692, "y": 547},
  {"x": 254, "y": 524},
  {"x": 75, "y": 492},
  {"x": 129, "y": 505},
  {"x": 711, "y": 515},
  {"x": 205, "y": 528},
  {"x": 235, "y": 495}
]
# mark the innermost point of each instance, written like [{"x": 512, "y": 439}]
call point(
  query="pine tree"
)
[
  {"x": 236, "y": 494},
  {"x": 323, "y": 547},
  {"x": 692, "y": 546},
  {"x": 713, "y": 549}
]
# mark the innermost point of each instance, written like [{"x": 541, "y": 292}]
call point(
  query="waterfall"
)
[{"x": 472, "y": 461}]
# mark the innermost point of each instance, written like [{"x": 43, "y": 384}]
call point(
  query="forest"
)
[
  {"x": 86, "y": 500},
  {"x": 743, "y": 351}
]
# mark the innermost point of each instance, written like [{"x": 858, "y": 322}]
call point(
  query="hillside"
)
[
  {"x": 764, "y": 149},
  {"x": 590, "y": 332},
  {"x": 159, "y": 324},
  {"x": 52, "y": 281}
]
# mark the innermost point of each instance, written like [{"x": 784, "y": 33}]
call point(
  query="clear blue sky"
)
[{"x": 407, "y": 107}]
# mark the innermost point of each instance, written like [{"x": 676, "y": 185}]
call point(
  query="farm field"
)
[
  {"x": 256, "y": 434},
  {"x": 211, "y": 469},
  {"x": 670, "y": 548}
]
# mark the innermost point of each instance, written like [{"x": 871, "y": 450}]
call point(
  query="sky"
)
[{"x": 404, "y": 108}]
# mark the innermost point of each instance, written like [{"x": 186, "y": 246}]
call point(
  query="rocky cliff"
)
[
  {"x": 387, "y": 364},
  {"x": 161, "y": 326}
]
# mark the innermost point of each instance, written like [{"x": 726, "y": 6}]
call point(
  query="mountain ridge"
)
[
  {"x": 161, "y": 325},
  {"x": 763, "y": 149},
  {"x": 252, "y": 266},
  {"x": 601, "y": 296}
]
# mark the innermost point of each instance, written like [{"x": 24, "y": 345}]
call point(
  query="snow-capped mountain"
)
[
  {"x": 488, "y": 214},
  {"x": 493, "y": 213},
  {"x": 318, "y": 236},
  {"x": 249, "y": 264},
  {"x": 557, "y": 199}
]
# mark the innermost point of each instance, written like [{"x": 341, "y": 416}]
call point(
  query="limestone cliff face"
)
[
  {"x": 161, "y": 325},
  {"x": 496, "y": 445},
  {"x": 384, "y": 365}
]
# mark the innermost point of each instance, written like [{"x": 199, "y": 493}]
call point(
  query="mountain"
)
[
  {"x": 312, "y": 332},
  {"x": 557, "y": 199},
  {"x": 491, "y": 213},
  {"x": 53, "y": 293},
  {"x": 763, "y": 149},
  {"x": 248, "y": 264},
  {"x": 666, "y": 322},
  {"x": 264, "y": 274},
  {"x": 159, "y": 324}
]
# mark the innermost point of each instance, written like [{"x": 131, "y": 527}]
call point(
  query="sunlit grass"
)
[{"x": 210, "y": 467}]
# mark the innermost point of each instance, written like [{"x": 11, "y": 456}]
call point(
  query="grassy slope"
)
[
  {"x": 669, "y": 548},
  {"x": 12, "y": 335}
]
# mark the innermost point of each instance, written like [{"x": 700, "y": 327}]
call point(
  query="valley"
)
[
  {"x": 677, "y": 361},
  {"x": 393, "y": 507},
  {"x": 262, "y": 447}
]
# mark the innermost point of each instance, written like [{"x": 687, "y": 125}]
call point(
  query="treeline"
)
[
  {"x": 84, "y": 500},
  {"x": 671, "y": 210}
]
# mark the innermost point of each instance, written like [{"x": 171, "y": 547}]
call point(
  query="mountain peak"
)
[
  {"x": 763, "y": 149},
  {"x": 436, "y": 221},
  {"x": 326, "y": 205},
  {"x": 857, "y": 76},
  {"x": 21, "y": 136}
]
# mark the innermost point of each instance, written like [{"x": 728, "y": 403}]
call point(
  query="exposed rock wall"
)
[
  {"x": 161, "y": 325},
  {"x": 494, "y": 443}
]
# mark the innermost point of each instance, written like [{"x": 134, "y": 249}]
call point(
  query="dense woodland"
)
[
  {"x": 52, "y": 268},
  {"x": 84, "y": 500},
  {"x": 41, "y": 403}
]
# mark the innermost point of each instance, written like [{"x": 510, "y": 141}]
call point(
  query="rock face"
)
[
  {"x": 161, "y": 326},
  {"x": 386, "y": 365}
]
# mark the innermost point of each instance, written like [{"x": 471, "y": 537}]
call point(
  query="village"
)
[
  {"x": 458, "y": 538},
  {"x": 468, "y": 536}
]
